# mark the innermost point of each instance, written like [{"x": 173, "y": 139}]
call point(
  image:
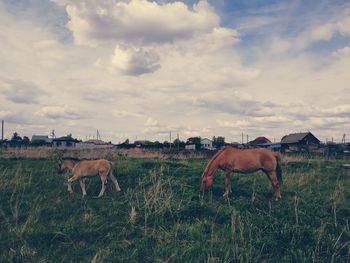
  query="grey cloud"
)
[
  {"x": 235, "y": 106},
  {"x": 20, "y": 91},
  {"x": 143, "y": 62},
  {"x": 61, "y": 112}
]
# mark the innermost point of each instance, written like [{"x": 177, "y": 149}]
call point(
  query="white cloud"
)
[
  {"x": 150, "y": 122},
  {"x": 139, "y": 21},
  {"x": 342, "y": 53},
  {"x": 134, "y": 61},
  {"x": 186, "y": 74}
]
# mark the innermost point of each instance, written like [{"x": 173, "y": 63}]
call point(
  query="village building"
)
[
  {"x": 303, "y": 141},
  {"x": 65, "y": 141},
  {"x": 207, "y": 144},
  {"x": 190, "y": 147},
  {"x": 259, "y": 142},
  {"x": 41, "y": 138}
]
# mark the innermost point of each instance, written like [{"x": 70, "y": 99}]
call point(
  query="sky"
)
[{"x": 138, "y": 69}]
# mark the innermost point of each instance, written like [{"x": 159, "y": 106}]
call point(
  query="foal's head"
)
[{"x": 66, "y": 163}]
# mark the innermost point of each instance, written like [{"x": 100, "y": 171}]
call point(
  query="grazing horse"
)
[
  {"x": 232, "y": 159},
  {"x": 86, "y": 168}
]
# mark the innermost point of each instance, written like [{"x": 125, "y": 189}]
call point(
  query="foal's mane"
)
[{"x": 71, "y": 159}]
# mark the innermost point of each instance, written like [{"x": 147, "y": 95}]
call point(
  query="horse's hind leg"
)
[
  {"x": 103, "y": 181},
  {"x": 275, "y": 184},
  {"x": 82, "y": 186},
  {"x": 114, "y": 180},
  {"x": 227, "y": 183}
]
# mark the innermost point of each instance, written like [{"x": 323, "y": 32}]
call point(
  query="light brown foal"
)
[{"x": 88, "y": 168}]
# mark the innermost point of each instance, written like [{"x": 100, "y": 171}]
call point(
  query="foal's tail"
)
[
  {"x": 111, "y": 168},
  {"x": 278, "y": 167}
]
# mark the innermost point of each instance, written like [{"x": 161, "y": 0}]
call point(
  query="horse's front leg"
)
[{"x": 227, "y": 183}]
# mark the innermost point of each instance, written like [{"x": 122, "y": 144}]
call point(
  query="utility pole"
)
[
  {"x": 170, "y": 140},
  {"x": 242, "y": 138},
  {"x": 178, "y": 143},
  {"x": 2, "y": 132}
]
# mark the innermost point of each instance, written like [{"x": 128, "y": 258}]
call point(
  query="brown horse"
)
[
  {"x": 87, "y": 168},
  {"x": 232, "y": 159}
]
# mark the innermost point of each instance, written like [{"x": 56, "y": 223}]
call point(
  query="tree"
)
[
  {"x": 218, "y": 142},
  {"x": 25, "y": 141},
  {"x": 16, "y": 140},
  {"x": 196, "y": 141},
  {"x": 178, "y": 143},
  {"x": 16, "y": 137}
]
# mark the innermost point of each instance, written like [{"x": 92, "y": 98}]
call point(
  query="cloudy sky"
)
[{"x": 139, "y": 69}]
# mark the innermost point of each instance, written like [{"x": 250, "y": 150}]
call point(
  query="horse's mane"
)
[{"x": 213, "y": 159}]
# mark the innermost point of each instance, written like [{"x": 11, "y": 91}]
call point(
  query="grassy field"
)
[{"x": 158, "y": 217}]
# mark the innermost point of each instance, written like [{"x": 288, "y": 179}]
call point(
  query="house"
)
[
  {"x": 41, "y": 138},
  {"x": 190, "y": 147},
  {"x": 142, "y": 144},
  {"x": 207, "y": 144},
  {"x": 65, "y": 141},
  {"x": 259, "y": 142},
  {"x": 300, "y": 141}
]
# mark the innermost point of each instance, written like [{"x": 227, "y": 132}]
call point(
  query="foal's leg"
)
[
  {"x": 82, "y": 186},
  {"x": 103, "y": 181},
  {"x": 275, "y": 184},
  {"x": 227, "y": 183},
  {"x": 114, "y": 180},
  {"x": 70, "y": 180}
]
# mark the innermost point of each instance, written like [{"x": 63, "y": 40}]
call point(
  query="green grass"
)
[{"x": 158, "y": 216}]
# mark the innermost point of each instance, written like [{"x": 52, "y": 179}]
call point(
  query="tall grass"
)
[{"x": 158, "y": 216}]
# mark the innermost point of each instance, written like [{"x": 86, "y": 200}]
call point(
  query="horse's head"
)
[{"x": 207, "y": 182}]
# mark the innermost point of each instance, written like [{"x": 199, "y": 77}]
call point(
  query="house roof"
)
[
  {"x": 295, "y": 137},
  {"x": 260, "y": 140}
]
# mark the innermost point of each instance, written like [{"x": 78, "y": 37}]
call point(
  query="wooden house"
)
[{"x": 303, "y": 141}]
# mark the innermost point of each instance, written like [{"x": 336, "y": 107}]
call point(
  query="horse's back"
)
[
  {"x": 92, "y": 167},
  {"x": 251, "y": 159}
]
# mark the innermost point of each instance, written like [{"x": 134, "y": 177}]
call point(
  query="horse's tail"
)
[
  {"x": 278, "y": 167},
  {"x": 113, "y": 178}
]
